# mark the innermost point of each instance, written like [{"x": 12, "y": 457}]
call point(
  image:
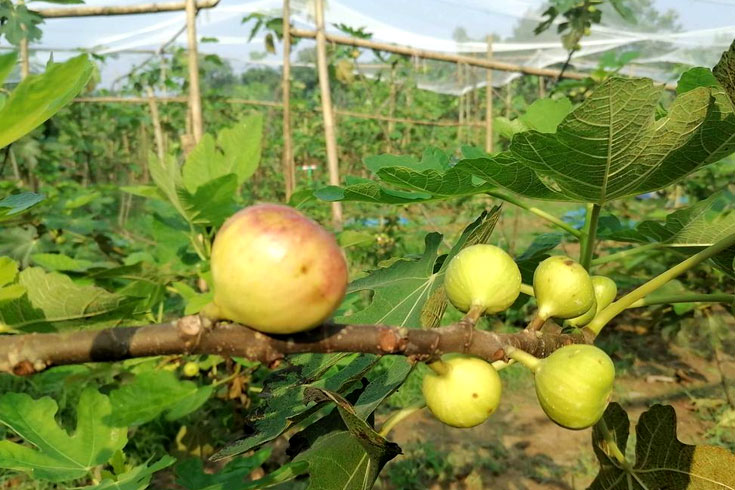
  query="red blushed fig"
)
[{"x": 276, "y": 270}]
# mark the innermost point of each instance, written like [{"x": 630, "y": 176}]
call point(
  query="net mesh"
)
[{"x": 668, "y": 37}]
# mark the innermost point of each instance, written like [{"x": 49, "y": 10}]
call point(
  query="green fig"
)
[
  {"x": 605, "y": 291},
  {"x": 585, "y": 318},
  {"x": 563, "y": 288},
  {"x": 463, "y": 391},
  {"x": 573, "y": 385},
  {"x": 482, "y": 276}
]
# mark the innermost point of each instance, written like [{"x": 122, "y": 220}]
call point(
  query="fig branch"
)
[
  {"x": 30, "y": 353},
  {"x": 657, "y": 282}
]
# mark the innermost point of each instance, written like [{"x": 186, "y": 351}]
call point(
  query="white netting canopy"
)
[{"x": 669, "y": 35}]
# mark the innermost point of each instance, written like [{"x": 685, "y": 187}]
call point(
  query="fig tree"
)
[
  {"x": 462, "y": 391},
  {"x": 276, "y": 270},
  {"x": 563, "y": 288},
  {"x": 573, "y": 385},
  {"x": 482, "y": 276}
]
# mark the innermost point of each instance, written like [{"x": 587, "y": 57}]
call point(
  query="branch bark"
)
[{"x": 31, "y": 353}]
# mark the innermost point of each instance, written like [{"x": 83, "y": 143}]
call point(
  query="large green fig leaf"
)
[
  {"x": 661, "y": 460},
  {"x": 53, "y": 301},
  {"x": 612, "y": 146},
  {"x": 39, "y": 97},
  {"x": 691, "y": 229},
  {"x": 235, "y": 151},
  {"x": 56, "y": 455},
  {"x": 411, "y": 181},
  {"x": 350, "y": 457}
]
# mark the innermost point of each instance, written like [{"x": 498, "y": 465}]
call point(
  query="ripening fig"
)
[
  {"x": 276, "y": 270},
  {"x": 482, "y": 276},
  {"x": 573, "y": 385},
  {"x": 563, "y": 288},
  {"x": 605, "y": 291},
  {"x": 462, "y": 391}
]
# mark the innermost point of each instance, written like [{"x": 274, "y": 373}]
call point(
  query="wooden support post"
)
[
  {"x": 25, "y": 61},
  {"x": 391, "y": 109},
  {"x": 541, "y": 88},
  {"x": 289, "y": 172},
  {"x": 195, "y": 96},
  {"x": 329, "y": 128},
  {"x": 489, "y": 100},
  {"x": 508, "y": 98},
  {"x": 157, "y": 130},
  {"x": 94, "y": 10},
  {"x": 460, "y": 102}
]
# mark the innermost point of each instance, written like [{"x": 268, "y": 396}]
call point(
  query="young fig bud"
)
[
  {"x": 605, "y": 291},
  {"x": 275, "y": 270},
  {"x": 563, "y": 288},
  {"x": 585, "y": 318},
  {"x": 463, "y": 391},
  {"x": 484, "y": 276},
  {"x": 574, "y": 385}
]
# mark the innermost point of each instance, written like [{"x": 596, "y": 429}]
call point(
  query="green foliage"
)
[
  {"x": 152, "y": 393},
  {"x": 17, "y": 203},
  {"x": 136, "y": 478},
  {"x": 57, "y": 455},
  {"x": 661, "y": 460},
  {"x": 39, "y": 97},
  {"x": 359, "y": 451},
  {"x": 53, "y": 301}
]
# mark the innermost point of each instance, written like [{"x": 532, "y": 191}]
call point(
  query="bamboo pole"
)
[
  {"x": 489, "y": 100},
  {"x": 329, "y": 129},
  {"x": 195, "y": 96},
  {"x": 454, "y": 58},
  {"x": 25, "y": 62},
  {"x": 391, "y": 109},
  {"x": 460, "y": 102},
  {"x": 157, "y": 129},
  {"x": 289, "y": 172},
  {"x": 541, "y": 88},
  {"x": 145, "y": 8}
]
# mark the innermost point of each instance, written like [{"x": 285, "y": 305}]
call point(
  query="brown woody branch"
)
[{"x": 31, "y": 353}]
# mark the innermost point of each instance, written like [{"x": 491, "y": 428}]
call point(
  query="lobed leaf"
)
[{"x": 55, "y": 455}]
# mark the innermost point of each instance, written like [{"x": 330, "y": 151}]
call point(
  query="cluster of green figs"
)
[
  {"x": 573, "y": 384},
  {"x": 277, "y": 271}
]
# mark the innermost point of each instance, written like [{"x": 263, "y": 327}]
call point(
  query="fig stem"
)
[
  {"x": 440, "y": 367},
  {"x": 684, "y": 298},
  {"x": 589, "y": 235},
  {"x": 399, "y": 416},
  {"x": 500, "y": 365},
  {"x": 627, "y": 253},
  {"x": 536, "y": 323},
  {"x": 612, "y": 445},
  {"x": 538, "y": 212},
  {"x": 474, "y": 314},
  {"x": 527, "y": 289},
  {"x": 531, "y": 362},
  {"x": 615, "y": 308}
]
